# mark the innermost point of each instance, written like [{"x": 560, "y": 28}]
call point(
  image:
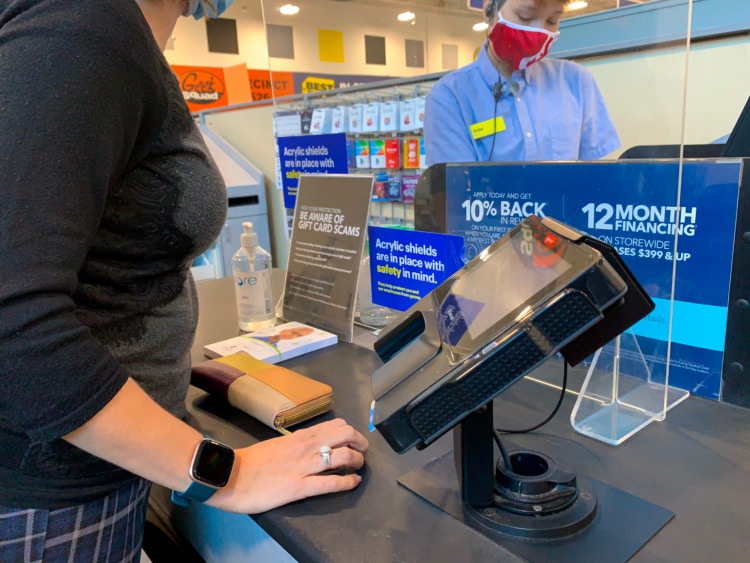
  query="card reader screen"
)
[{"x": 508, "y": 280}]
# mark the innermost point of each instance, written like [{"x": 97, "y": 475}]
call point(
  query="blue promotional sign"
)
[
  {"x": 406, "y": 265},
  {"x": 309, "y": 154},
  {"x": 631, "y": 205}
]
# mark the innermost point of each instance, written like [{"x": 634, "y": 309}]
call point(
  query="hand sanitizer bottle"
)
[{"x": 251, "y": 266}]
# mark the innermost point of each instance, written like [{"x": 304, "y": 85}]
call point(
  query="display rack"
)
[{"x": 383, "y": 127}]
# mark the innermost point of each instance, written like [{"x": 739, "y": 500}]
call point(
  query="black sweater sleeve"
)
[{"x": 79, "y": 104}]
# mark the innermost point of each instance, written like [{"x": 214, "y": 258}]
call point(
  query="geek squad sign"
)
[{"x": 201, "y": 87}]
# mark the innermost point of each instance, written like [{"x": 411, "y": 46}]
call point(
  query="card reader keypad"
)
[{"x": 549, "y": 330}]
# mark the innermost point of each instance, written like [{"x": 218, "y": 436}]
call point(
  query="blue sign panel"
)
[
  {"x": 309, "y": 154},
  {"x": 633, "y": 207},
  {"x": 406, "y": 265}
]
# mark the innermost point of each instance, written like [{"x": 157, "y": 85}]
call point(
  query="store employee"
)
[{"x": 512, "y": 103}]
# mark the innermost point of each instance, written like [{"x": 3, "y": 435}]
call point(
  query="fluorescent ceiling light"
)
[
  {"x": 481, "y": 26},
  {"x": 406, "y": 16},
  {"x": 577, "y": 5},
  {"x": 289, "y": 9}
]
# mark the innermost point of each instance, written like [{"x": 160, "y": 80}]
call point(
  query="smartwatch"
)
[{"x": 210, "y": 471}]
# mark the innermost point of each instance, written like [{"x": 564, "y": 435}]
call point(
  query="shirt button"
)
[
  {"x": 528, "y": 134},
  {"x": 518, "y": 99}
]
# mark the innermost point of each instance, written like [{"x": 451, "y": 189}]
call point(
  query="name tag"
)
[{"x": 489, "y": 127}]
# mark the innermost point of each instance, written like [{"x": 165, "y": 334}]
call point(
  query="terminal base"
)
[
  {"x": 612, "y": 535},
  {"x": 536, "y": 499}
]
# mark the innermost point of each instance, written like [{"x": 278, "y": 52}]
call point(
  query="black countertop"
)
[{"x": 695, "y": 464}]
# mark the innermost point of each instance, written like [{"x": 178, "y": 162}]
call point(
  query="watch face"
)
[{"x": 213, "y": 463}]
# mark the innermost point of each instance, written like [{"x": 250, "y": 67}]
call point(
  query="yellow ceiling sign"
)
[{"x": 331, "y": 46}]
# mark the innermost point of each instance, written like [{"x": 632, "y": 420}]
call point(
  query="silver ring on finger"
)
[{"x": 325, "y": 453}]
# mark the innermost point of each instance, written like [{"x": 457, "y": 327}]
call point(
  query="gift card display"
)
[
  {"x": 380, "y": 187},
  {"x": 377, "y": 153},
  {"x": 406, "y": 115},
  {"x": 382, "y": 136},
  {"x": 419, "y": 112},
  {"x": 393, "y": 154},
  {"x": 351, "y": 153},
  {"x": 371, "y": 118},
  {"x": 362, "y": 152},
  {"x": 321, "y": 121},
  {"x": 355, "y": 118},
  {"x": 388, "y": 117},
  {"x": 340, "y": 120},
  {"x": 411, "y": 152},
  {"x": 394, "y": 187},
  {"x": 287, "y": 123},
  {"x": 408, "y": 187},
  {"x": 305, "y": 116}
]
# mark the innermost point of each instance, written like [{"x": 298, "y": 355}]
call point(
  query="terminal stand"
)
[
  {"x": 619, "y": 396},
  {"x": 533, "y": 499},
  {"x": 541, "y": 510}
]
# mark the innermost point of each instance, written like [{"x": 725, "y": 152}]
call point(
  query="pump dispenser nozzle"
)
[{"x": 249, "y": 238}]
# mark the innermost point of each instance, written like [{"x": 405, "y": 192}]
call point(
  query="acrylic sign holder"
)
[{"x": 619, "y": 397}]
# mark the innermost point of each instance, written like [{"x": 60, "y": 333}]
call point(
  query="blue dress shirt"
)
[{"x": 557, "y": 113}]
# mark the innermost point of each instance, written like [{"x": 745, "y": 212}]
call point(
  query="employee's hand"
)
[{"x": 289, "y": 468}]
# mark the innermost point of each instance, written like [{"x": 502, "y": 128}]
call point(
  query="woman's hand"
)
[
  {"x": 285, "y": 469},
  {"x": 135, "y": 433}
]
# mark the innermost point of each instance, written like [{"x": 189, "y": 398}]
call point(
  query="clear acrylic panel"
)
[
  {"x": 670, "y": 73},
  {"x": 619, "y": 397}
]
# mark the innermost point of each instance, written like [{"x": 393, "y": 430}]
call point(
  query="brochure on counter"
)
[{"x": 275, "y": 344}]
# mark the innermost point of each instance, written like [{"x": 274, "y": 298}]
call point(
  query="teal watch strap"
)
[{"x": 195, "y": 492}]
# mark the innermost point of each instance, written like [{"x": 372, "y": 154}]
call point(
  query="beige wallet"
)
[{"x": 275, "y": 395}]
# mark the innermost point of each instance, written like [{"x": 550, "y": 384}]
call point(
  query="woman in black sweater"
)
[{"x": 108, "y": 194}]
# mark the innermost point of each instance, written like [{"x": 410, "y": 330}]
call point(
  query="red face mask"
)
[{"x": 520, "y": 45}]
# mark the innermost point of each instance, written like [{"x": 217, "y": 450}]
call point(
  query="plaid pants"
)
[{"x": 108, "y": 529}]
